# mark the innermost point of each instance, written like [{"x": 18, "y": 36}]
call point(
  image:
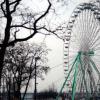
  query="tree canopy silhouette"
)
[{"x": 20, "y": 63}]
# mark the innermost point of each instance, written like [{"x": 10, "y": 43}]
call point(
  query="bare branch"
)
[
  {"x": 13, "y": 2},
  {"x": 15, "y": 33},
  {"x": 16, "y": 4},
  {"x": 26, "y": 27},
  {"x": 34, "y": 25},
  {"x": 23, "y": 27},
  {"x": 43, "y": 14},
  {"x": 3, "y": 8},
  {"x": 52, "y": 31}
]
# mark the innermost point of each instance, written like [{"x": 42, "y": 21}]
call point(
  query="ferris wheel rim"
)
[{"x": 83, "y": 7}]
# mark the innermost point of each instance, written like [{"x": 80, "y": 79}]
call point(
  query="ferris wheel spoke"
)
[
  {"x": 79, "y": 81},
  {"x": 88, "y": 25},
  {"x": 93, "y": 36},
  {"x": 93, "y": 28},
  {"x": 95, "y": 41},
  {"x": 77, "y": 38},
  {"x": 81, "y": 29},
  {"x": 95, "y": 59},
  {"x": 96, "y": 49},
  {"x": 97, "y": 45},
  {"x": 94, "y": 66},
  {"x": 92, "y": 82},
  {"x": 82, "y": 86},
  {"x": 87, "y": 33},
  {"x": 95, "y": 32}
]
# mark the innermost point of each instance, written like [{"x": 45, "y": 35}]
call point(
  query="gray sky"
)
[{"x": 56, "y": 74}]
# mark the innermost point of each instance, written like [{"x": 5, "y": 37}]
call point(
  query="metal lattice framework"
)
[{"x": 82, "y": 51}]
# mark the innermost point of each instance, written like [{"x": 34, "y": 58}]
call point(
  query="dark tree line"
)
[{"x": 19, "y": 65}]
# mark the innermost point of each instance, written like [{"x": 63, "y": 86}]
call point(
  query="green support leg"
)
[
  {"x": 57, "y": 98},
  {"x": 74, "y": 81},
  {"x": 87, "y": 98}
]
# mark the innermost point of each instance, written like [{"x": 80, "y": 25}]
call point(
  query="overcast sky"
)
[{"x": 56, "y": 74}]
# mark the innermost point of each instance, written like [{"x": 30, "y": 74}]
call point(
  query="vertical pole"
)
[
  {"x": 35, "y": 67},
  {"x": 35, "y": 90}
]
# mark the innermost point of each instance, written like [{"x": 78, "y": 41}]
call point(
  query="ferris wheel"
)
[{"x": 82, "y": 51}]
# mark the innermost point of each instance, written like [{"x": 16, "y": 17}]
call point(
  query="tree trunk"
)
[
  {"x": 2, "y": 53},
  {"x": 6, "y": 36},
  {"x": 9, "y": 91},
  {"x": 17, "y": 94},
  {"x": 26, "y": 88}
]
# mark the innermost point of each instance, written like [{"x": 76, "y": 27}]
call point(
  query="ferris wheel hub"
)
[{"x": 90, "y": 53}]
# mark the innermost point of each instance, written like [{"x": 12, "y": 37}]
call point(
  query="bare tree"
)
[
  {"x": 10, "y": 9},
  {"x": 20, "y": 63}
]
